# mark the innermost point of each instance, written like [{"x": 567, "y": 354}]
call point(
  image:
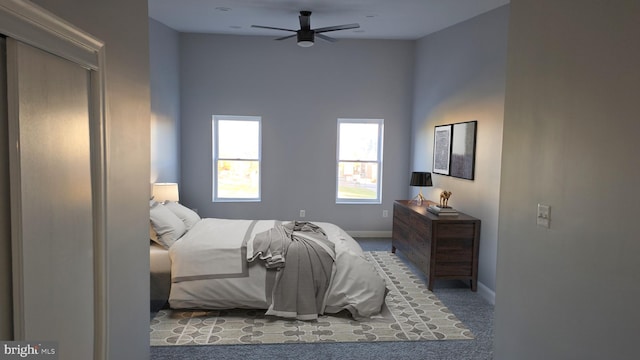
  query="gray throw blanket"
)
[{"x": 303, "y": 257}]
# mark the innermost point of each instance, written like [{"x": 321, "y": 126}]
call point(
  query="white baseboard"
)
[
  {"x": 487, "y": 293},
  {"x": 369, "y": 234}
]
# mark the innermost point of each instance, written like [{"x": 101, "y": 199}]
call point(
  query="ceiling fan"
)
[{"x": 306, "y": 35}]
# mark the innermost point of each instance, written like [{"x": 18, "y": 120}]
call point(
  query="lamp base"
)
[{"x": 419, "y": 199}]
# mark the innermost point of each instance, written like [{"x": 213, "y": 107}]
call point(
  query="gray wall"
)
[
  {"x": 165, "y": 103},
  {"x": 300, "y": 93},
  {"x": 570, "y": 141},
  {"x": 124, "y": 26},
  {"x": 460, "y": 76}
]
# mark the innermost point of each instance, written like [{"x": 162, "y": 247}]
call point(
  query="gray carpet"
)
[{"x": 469, "y": 308}]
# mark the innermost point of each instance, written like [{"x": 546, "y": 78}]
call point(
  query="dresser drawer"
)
[
  {"x": 456, "y": 230},
  {"x": 445, "y": 269},
  {"x": 454, "y": 249}
]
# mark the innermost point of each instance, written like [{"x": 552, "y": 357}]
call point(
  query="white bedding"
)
[{"x": 209, "y": 271}]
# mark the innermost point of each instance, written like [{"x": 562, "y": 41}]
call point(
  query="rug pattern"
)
[{"x": 412, "y": 313}]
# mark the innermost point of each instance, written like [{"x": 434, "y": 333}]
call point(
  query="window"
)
[
  {"x": 359, "y": 161},
  {"x": 236, "y": 158}
]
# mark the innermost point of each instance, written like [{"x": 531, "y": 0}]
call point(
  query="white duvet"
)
[{"x": 209, "y": 270}]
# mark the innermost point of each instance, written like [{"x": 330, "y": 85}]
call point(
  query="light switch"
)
[{"x": 544, "y": 215}]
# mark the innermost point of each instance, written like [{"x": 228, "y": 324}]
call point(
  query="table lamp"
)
[
  {"x": 165, "y": 192},
  {"x": 420, "y": 179}
]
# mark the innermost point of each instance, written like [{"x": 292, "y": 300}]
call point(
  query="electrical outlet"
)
[
  {"x": 303, "y": 213},
  {"x": 544, "y": 215},
  {"x": 385, "y": 213}
]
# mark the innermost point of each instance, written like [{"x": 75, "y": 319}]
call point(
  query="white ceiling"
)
[{"x": 378, "y": 19}]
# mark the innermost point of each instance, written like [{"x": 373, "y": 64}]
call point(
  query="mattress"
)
[{"x": 160, "y": 266}]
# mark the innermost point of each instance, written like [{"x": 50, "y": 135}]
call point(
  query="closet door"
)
[
  {"x": 51, "y": 196},
  {"x": 6, "y": 295}
]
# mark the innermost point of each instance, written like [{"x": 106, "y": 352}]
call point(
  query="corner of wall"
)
[{"x": 487, "y": 293}]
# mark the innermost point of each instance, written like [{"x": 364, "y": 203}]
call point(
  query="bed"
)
[
  {"x": 160, "y": 267},
  {"x": 216, "y": 263}
]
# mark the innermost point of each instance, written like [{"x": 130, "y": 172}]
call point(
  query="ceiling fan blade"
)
[
  {"x": 286, "y": 37},
  {"x": 271, "y": 28},
  {"x": 326, "y": 38},
  {"x": 305, "y": 19},
  {"x": 336, "y": 28}
]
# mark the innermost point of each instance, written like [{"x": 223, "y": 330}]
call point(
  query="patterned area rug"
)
[{"x": 411, "y": 313}]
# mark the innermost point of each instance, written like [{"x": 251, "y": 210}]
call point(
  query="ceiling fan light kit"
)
[
  {"x": 306, "y": 35},
  {"x": 305, "y": 39}
]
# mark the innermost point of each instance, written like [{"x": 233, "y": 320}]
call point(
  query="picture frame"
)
[
  {"x": 442, "y": 149},
  {"x": 463, "y": 150},
  {"x": 454, "y": 149}
]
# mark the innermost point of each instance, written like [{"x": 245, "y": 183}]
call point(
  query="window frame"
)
[
  {"x": 215, "y": 158},
  {"x": 379, "y": 161}
]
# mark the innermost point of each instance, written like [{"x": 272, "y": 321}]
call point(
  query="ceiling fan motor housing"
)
[{"x": 305, "y": 37}]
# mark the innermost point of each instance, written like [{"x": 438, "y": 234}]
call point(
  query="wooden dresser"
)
[{"x": 443, "y": 247}]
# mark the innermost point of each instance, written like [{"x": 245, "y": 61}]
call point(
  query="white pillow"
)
[
  {"x": 152, "y": 233},
  {"x": 187, "y": 215},
  {"x": 167, "y": 225}
]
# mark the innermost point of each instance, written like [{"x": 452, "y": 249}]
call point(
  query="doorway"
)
[{"x": 52, "y": 123}]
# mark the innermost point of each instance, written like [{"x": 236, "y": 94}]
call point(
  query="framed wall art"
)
[
  {"x": 442, "y": 149},
  {"x": 454, "y": 149}
]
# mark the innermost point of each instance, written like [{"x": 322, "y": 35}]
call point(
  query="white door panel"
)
[
  {"x": 52, "y": 222},
  {"x": 6, "y": 295}
]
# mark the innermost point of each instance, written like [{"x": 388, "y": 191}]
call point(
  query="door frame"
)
[{"x": 33, "y": 25}]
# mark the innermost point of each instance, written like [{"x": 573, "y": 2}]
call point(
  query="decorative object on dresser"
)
[
  {"x": 442, "y": 211},
  {"x": 444, "y": 198},
  {"x": 420, "y": 179},
  {"x": 441, "y": 247}
]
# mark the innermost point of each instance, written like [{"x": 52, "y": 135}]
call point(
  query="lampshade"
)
[
  {"x": 421, "y": 179},
  {"x": 165, "y": 191}
]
